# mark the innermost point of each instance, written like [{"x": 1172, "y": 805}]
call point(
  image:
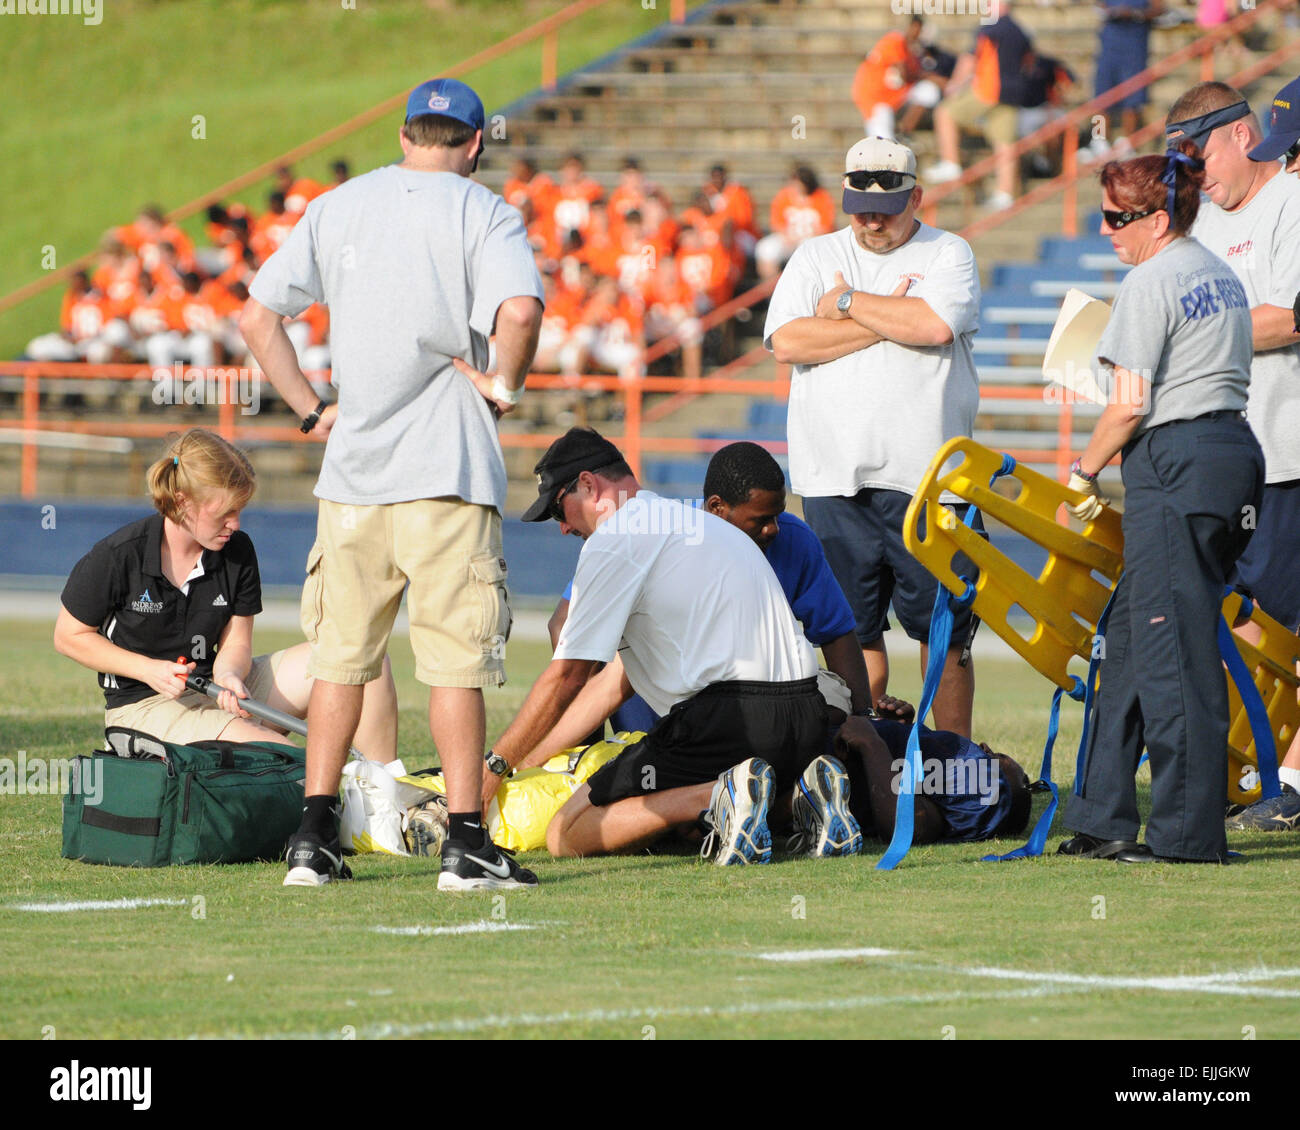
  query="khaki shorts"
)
[
  {"x": 193, "y": 717},
  {"x": 449, "y": 550},
  {"x": 999, "y": 124}
]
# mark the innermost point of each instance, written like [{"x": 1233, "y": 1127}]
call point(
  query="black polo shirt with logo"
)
[{"x": 119, "y": 586}]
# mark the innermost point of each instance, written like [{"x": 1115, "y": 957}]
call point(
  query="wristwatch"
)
[
  {"x": 309, "y": 422},
  {"x": 496, "y": 763},
  {"x": 844, "y": 301},
  {"x": 1076, "y": 469}
]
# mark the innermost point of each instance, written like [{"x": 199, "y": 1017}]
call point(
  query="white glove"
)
[{"x": 1090, "y": 507}]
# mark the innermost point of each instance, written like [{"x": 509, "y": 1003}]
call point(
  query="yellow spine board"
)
[{"x": 1067, "y": 597}]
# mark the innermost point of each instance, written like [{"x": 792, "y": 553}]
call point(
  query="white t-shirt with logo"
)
[
  {"x": 686, "y": 599},
  {"x": 1261, "y": 243},
  {"x": 876, "y": 417}
]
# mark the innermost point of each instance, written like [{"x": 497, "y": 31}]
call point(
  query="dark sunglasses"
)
[
  {"x": 557, "y": 509},
  {"x": 1118, "y": 220},
  {"x": 863, "y": 179},
  {"x": 1292, "y": 153}
]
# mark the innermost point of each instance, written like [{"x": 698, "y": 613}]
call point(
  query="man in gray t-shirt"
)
[
  {"x": 1251, "y": 220},
  {"x": 419, "y": 266}
]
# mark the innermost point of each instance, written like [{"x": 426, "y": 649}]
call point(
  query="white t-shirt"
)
[
  {"x": 876, "y": 417},
  {"x": 1261, "y": 243},
  {"x": 413, "y": 267},
  {"x": 686, "y": 599}
]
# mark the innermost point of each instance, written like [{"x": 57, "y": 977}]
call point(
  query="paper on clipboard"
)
[{"x": 1070, "y": 349}]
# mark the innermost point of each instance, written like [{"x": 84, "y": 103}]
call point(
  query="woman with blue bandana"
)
[{"x": 1175, "y": 361}]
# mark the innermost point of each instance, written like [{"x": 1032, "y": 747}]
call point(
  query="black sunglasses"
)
[
  {"x": 1119, "y": 220},
  {"x": 1292, "y": 153},
  {"x": 863, "y": 179},
  {"x": 557, "y": 510}
]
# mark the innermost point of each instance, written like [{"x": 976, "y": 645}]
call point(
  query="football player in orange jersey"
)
[{"x": 800, "y": 210}]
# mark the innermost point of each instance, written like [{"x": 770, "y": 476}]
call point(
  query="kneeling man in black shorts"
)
[{"x": 706, "y": 637}]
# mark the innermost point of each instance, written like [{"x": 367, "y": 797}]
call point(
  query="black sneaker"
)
[
  {"x": 484, "y": 868},
  {"x": 313, "y": 862}
]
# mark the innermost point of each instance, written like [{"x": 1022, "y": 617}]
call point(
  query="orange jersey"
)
[
  {"x": 318, "y": 318},
  {"x": 538, "y": 194},
  {"x": 119, "y": 283},
  {"x": 737, "y": 205},
  {"x": 800, "y": 217},
  {"x": 885, "y": 75},
  {"x": 271, "y": 231},
  {"x": 301, "y": 193},
  {"x": 198, "y": 314},
  {"x": 708, "y": 271},
  {"x": 82, "y": 315},
  {"x": 572, "y": 211}
]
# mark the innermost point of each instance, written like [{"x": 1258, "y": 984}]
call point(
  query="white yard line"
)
[
  {"x": 114, "y": 904},
  {"x": 649, "y": 1015},
  {"x": 824, "y": 955},
  {"x": 480, "y": 927}
]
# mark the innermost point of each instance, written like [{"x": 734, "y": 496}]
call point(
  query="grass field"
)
[{"x": 635, "y": 947}]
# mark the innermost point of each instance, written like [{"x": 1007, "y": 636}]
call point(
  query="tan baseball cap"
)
[{"x": 879, "y": 175}]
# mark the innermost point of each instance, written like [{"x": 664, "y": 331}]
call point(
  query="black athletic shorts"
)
[{"x": 716, "y": 728}]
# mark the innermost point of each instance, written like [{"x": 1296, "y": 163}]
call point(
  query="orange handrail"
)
[{"x": 545, "y": 29}]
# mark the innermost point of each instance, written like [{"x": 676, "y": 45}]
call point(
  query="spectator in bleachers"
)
[
  {"x": 735, "y": 203},
  {"x": 985, "y": 95},
  {"x": 800, "y": 210},
  {"x": 574, "y": 196},
  {"x": 891, "y": 77},
  {"x": 616, "y": 322},
  {"x": 117, "y": 278},
  {"x": 148, "y": 232},
  {"x": 273, "y": 227},
  {"x": 670, "y": 309},
  {"x": 81, "y": 318},
  {"x": 1122, "y": 52},
  {"x": 1048, "y": 82},
  {"x": 631, "y": 194},
  {"x": 706, "y": 269},
  {"x": 529, "y": 190},
  {"x": 298, "y": 192}
]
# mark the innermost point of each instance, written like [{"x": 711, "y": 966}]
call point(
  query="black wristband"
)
[{"x": 310, "y": 421}]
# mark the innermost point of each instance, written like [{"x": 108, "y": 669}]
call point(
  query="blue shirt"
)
[{"x": 800, "y": 564}]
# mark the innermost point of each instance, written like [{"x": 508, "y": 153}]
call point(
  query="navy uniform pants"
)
[{"x": 1189, "y": 487}]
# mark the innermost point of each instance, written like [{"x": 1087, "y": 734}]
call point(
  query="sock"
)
[
  {"x": 466, "y": 827},
  {"x": 1290, "y": 777},
  {"x": 319, "y": 818}
]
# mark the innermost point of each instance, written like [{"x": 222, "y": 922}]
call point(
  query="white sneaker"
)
[
  {"x": 738, "y": 812},
  {"x": 942, "y": 172},
  {"x": 999, "y": 202}
]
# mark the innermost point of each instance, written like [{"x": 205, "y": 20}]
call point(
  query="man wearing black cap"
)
[
  {"x": 877, "y": 320},
  {"x": 419, "y": 266},
  {"x": 706, "y": 637}
]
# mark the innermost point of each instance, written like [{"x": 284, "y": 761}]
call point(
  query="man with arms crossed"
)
[
  {"x": 419, "y": 266},
  {"x": 877, "y": 320}
]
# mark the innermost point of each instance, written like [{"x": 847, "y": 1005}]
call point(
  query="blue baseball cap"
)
[
  {"x": 448, "y": 97},
  {"x": 1283, "y": 124}
]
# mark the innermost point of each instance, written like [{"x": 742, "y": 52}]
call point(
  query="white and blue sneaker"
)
[
  {"x": 737, "y": 815},
  {"x": 823, "y": 824}
]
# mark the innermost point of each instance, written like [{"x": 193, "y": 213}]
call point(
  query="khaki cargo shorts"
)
[
  {"x": 193, "y": 717},
  {"x": 999, "y": 124},
  {"x": 449, "y": 550}
]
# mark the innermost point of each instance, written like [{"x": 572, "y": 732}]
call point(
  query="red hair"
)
[{"x": 1135, "y": 186}]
